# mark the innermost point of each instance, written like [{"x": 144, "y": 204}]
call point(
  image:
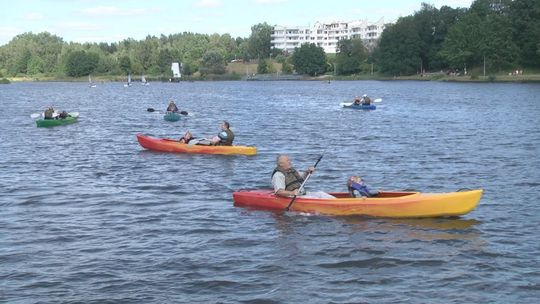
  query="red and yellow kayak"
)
[
  {"x": 386, "y": 204},
  {"x": 171, "y": 145}
]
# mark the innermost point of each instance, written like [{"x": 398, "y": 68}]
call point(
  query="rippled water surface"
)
[{"x": 88, "y": 216}]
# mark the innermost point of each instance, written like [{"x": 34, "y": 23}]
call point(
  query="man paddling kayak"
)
[
  {"x": 366, "y": 101},
  {"x": 225, "y": 137},
  {"x": 286, "y": 180},
  {"x": 172, "y": 107}
]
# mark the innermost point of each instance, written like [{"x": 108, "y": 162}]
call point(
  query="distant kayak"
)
[
  {"x": 174, "y": 146},
  {"x": 171, "y": 116},
  {"x": 351, "y": 105},
  {"x": 44, "y": 123},
  {"x": 386, "y": 204}
]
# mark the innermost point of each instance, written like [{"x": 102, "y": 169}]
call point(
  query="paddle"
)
[
  {"x": 303, "y": 183},
  {"x": 35, "y": 115},
  {"x": 154, "y": 110}
]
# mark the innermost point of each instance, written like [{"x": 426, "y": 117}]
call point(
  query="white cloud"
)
[
  {"x": 116, "y": 11},
  {"x": 34, "y": 16},
  {"x": 209, "y": 3}
]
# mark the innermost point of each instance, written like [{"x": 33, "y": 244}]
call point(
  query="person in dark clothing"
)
[
  {"x": 49, "y": 113},
  {"x": 172, "y": 107}
]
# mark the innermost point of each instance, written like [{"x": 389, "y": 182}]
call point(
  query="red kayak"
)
[{"x": 171, "y": 145}]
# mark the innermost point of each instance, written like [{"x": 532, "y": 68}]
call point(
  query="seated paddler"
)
[
  {"x": 357, "y": 187},
  {"x": 186, "y": 138},
  {"x": 49, "y": 113},
  {"x": 225, "y": 136},
  {"x": 287, "y": 181},
  {"x": 172, "y": 107}
]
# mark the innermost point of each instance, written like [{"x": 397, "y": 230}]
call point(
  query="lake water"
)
[{"x": 88, "y": 216}]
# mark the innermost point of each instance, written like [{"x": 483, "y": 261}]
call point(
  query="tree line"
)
[
  {"x": 498, "y": 34},
  {"x": 45, "y": 53}
]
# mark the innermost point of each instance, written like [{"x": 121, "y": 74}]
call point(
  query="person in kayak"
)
[
  {"x": 225, "y": 137},
  {"x": 49, "y": 113},
  {"x": 356, "y": 101},
  {"x": 186, "y": 138},
  {"x": 286, "y": 180},
  {"x": 366, "y": 101},
  {"x": 172, "y": 107},
  {"x": 63, "y": 115},
  {"x": 355, "y": 184}
]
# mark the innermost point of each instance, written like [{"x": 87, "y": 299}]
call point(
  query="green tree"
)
[
  {"x": 259, "y": 42},
  {"x": 35, "y": 65},
  {"x": 107, "y": 64},
  {"x": 145, "y": 53},
  {"x": 445, "y": 19},
  {"x": 462, "y": 46},
  {"x": 309, "y": 59},
  {"x": 22, "y": 59},
  {"x": 399, "y": 48},
  {"x": 498, "y": 47},
  {"x": 212, "y": 63},
  {"x": 286, "y": 67},
  {"x": 125, "y": 64},
  {"x": 263, "y": 67},
  {"x": 351, "y": 53},
  {"x": 188, "y": 68},
  {"x": 525, "y": 19},
  {"x": 484, "y": 32},
  {"x": 243, "y": 50},
  {"x": 81, "y": 63},
  {"x": 166, "y": 57}
]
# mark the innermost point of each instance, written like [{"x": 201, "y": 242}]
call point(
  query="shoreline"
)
[{"x": 527, "y": 78}]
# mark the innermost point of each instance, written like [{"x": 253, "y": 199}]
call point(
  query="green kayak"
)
[
  {"x": 44, "y": 123},
  {"x": 171, "y": 116}
]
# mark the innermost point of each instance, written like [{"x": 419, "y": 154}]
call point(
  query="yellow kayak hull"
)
[{"x": 387, "y": 204}]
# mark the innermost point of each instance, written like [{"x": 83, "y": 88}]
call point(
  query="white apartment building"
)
[{"x": 326, "y": 35}]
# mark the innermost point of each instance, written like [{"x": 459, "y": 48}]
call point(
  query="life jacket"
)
[
  {"x": 63, "y": 115},
  {"x": 361, "y": 188},
  {"x": 293, "y": 179},
  {"x": 172, "y": 108},
  {"x": 226, "y": 138}
]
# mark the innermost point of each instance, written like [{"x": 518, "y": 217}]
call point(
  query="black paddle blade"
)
[
  {"x": 184, "y": 113},
  {"x": 150, "y": 110}
]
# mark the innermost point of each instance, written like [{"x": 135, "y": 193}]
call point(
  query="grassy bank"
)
[{"x": 240, "y": 71}]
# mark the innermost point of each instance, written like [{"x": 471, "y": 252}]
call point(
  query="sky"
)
[{"x": 113, "y": 21}]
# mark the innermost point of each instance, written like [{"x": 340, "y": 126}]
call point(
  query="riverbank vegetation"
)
[{"x": 493, "y": 40}]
